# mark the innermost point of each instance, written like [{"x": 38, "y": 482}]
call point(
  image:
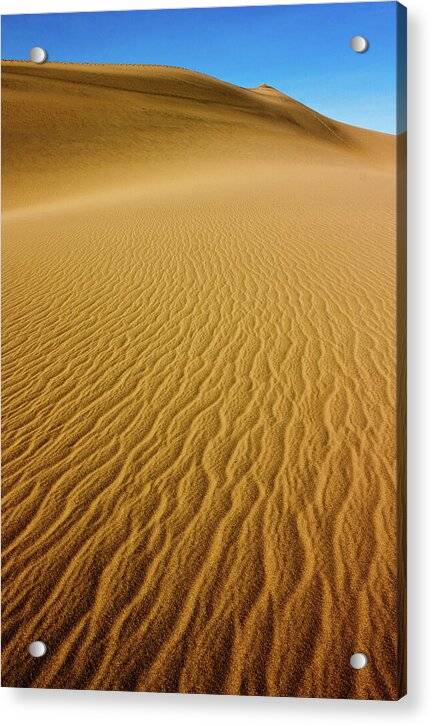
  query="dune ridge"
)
[{"x": 199, "y": 462}]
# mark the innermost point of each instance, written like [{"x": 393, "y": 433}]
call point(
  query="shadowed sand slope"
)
[{"x": 199, "y": 387}]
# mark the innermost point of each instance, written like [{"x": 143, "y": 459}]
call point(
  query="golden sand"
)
[{"x": 199, "y": 379}]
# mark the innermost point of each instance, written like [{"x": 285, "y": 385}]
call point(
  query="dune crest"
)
[
  {"x": 199, "y": 384},
  {"x": 101, "y": 127}
]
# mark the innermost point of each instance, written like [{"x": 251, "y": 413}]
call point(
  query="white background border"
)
[{"x": 51, "y": 707}]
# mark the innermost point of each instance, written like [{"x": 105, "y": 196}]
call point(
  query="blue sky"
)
[{"x": 301, "y": 49}]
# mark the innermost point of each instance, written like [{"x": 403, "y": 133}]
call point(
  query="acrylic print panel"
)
[{"x": 203, "y": 339}]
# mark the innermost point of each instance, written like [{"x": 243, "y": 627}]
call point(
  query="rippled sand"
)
[{"x": 199, "y": 342}]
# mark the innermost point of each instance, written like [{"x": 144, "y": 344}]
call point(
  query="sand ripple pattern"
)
[{"x": 199, "y": 466}]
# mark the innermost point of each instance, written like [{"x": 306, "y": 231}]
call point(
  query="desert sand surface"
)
[{"x": 199, "y": 451}]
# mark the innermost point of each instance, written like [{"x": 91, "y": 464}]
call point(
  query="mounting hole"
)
[
  {"x": 358, "y": 661},
  {"x": 37, "y": 649},
  {"x": 38, "y": 55},
  {"x": 359, "y": 44}
]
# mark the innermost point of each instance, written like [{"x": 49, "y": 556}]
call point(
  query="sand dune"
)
[{"x": 199, "y": 388}]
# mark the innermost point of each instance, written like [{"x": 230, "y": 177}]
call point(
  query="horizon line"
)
[{"x": 208, "y": 75}]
